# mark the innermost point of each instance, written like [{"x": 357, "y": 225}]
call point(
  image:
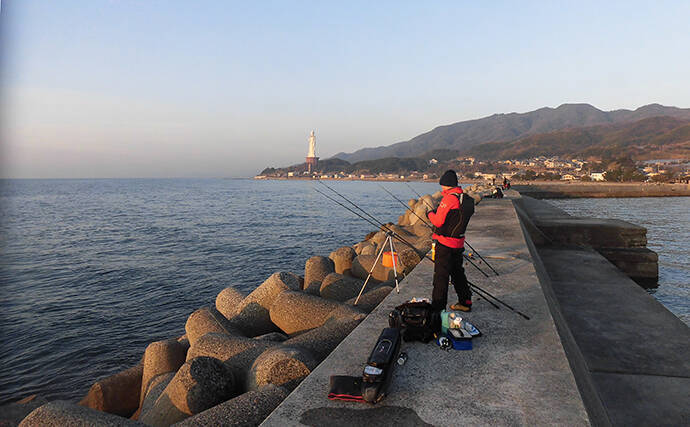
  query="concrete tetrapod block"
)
[
  {"x": 228, "y": 301},
  {"x": 408, "y": 259},
  {"x": 201, "y": 383},
  {"x": 238, "y": 353},
  {"x": 117, "y": 394},
  {"x": 205, "y": 320},
  {"x": 153, "y": 392},
  {"x": 295, "y": 312},
  {"x": 369, "y": 248},
  {"x": 362, "y": 264},
  {"x": 248, "y": 409},
  {"x": 315, "y": 270},
  {"x": 378, "y": 239},
  {"x": 252, "y": 317},
  {"x": 342, "y": 258},
  {"x": 12, "y": 414},
  {"x": 60, "y": 413},
  {"x": 282, "y": 366},
  {"x": 370, "y": 300},
  {"x": 338, "y": 287},
  {"x": 272, "y": 336},
  {"x": 161, "y": 357},
  {"x": 323, "y": 340}
]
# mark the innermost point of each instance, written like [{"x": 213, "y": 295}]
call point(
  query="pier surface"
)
[
  {"x": 516, "y": 374},
  {"x": 572, "y": 190}
]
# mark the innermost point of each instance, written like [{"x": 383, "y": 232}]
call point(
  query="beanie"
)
[{"x": 449, "y": 179}]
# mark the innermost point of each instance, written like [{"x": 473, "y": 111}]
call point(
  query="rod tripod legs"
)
[{"x": 389, "y": 240}]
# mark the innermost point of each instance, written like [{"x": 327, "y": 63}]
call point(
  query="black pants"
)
[{"x": 448, "y": 263}]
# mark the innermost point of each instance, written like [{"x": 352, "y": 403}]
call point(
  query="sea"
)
[{"x": 92, "y": 271}]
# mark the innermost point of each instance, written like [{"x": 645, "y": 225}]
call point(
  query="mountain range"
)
[{"x": 517, "y": 128}]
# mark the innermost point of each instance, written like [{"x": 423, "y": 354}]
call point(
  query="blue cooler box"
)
[{"x": 463, "y": 342}]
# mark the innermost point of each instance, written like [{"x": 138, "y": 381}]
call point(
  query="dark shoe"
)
[{"x": 462, "y": 306}]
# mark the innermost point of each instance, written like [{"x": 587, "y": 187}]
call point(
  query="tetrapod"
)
[{"x": 389, "y": 240}]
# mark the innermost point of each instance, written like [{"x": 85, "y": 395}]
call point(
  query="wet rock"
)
[
  {"x": 238, "y": 353},
  {"x": 60, "y": 413},
  {"x": 201, "y": 383},
  {"x": 228, "y": 301},
  {"x": 295, "y": 312},
  {"x": 248, "y": 409},
  {"x": 338, "y": 287},
  {"x": 205, "y": 320},
  {"x": 316, "y": 268},
  {"x": 342, "y": 259},
  {"x": 161, "y": 357},
  {"x": 282, "y": 366},
  {"x": 117, "y": 394},
  {"x": 253, "y": 318}
]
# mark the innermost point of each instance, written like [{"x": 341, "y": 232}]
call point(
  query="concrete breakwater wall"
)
[
  {"x": 620, "y": 242},
  {"x": 241, "y": 356},
  {"x": 628, "y": 353},
  {"x": 572, "y": 190}
]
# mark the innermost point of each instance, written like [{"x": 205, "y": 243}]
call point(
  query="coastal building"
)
[
  {"x": 312, "y": 160},
  {"x": 597, "y": 176}
]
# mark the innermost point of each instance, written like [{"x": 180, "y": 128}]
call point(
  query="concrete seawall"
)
[
  {"x": 627, "y": 351},
  {"x": 572, "y": 190}
]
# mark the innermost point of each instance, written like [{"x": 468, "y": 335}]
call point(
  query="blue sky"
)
[{"x": 134, "y": 88}]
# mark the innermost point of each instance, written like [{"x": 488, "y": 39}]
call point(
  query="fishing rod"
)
[
  {"x": 482, "y": 292},
  {"x": 388, "y": 229},
  {"x": 406, "y": 206},
  {"x": 498, "y": 300},
  {"x": 466, "y": 242},
  {"x": 484, "y": 296},
  {"x": 428, "y": 225}
]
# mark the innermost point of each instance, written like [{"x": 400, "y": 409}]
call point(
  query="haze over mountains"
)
[{"x": 516, "y": 127}]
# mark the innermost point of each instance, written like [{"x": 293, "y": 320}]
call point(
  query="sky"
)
[{"x": 136, "y": 88}]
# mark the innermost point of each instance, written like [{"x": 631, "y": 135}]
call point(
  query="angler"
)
[{"x": 450, "y": 222}]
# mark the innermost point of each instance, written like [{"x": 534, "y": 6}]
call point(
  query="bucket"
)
[{"x": 389, "y": 258}]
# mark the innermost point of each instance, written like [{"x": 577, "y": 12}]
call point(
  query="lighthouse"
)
[{"x": 312, "y": 160}]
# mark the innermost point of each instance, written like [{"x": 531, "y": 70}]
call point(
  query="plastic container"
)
[
  {"x": 450, "y": 319},
  {"x": 389, "y": 258}
]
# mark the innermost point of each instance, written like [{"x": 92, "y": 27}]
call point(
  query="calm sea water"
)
[
  {"x": 92, "y": 271},
  {"x": 667, "y": 220}
]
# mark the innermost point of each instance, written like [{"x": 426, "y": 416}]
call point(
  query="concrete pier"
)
[
  {"x": 517, "y": 373},
  {"x": 573, "y": 190},
  {"x": 628, "y": 352}
]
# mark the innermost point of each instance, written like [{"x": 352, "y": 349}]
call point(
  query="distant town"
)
[{"x": 536, "y": 168}]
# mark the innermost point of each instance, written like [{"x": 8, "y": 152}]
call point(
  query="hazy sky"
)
[{"x": 136, "y": 88}]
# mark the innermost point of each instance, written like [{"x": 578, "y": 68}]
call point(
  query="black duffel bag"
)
[{"x": 416, "y": 320}]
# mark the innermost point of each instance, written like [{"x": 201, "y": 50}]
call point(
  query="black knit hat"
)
[{"x": 449, "y": 179}]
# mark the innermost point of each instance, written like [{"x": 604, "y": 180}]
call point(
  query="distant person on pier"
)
[{"x": 449, "y": 242}]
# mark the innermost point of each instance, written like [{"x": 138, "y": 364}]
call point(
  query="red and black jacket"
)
[{"x": 451, "y": 218}]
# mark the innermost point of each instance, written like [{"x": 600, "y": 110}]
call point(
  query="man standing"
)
[{"x": 449, "y": 237}]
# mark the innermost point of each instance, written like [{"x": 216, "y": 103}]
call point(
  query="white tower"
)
[{"x": 312, "y": 160}]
